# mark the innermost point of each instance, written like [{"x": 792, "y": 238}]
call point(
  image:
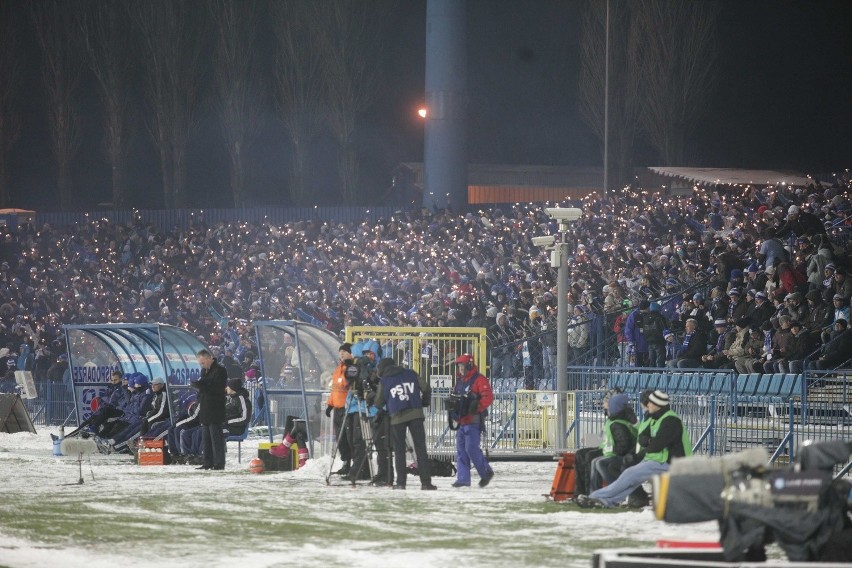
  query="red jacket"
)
[{"x": 480, "y": 386}]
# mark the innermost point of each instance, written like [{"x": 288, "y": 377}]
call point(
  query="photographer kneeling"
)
[{"x": 405, "y": 394}]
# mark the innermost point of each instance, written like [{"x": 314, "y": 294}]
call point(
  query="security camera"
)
[
  {"x": 544, "y": 241},
  {"x": 564, "y": 214}
]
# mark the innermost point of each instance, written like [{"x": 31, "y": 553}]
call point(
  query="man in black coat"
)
[
  {"x": 839, "y": 347},
  {"x": 693, "y": 347},
  {"x": 211, "y": 398}
]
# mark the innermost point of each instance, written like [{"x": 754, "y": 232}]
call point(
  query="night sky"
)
[{"x": 782, "y": 101}]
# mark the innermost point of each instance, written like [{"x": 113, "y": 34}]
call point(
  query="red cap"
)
[{"x": 466, "y": 358}]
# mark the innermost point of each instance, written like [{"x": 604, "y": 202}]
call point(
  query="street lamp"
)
[{"x": 564, "y": 216}]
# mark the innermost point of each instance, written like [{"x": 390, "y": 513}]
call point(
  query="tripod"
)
[
  {"x": 362, "y": 449},
  {"x": 340, "y": 435}
]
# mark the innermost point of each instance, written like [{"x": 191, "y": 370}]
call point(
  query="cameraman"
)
[
  {"x": 336, "y": 406},
  {"x": 406, "y": 394},
  {"x": 471, "y": 397},
  {"x": 361, "y": 384}
]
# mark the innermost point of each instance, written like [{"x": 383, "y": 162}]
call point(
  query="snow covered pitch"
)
[{"x": 177, "y": 516}]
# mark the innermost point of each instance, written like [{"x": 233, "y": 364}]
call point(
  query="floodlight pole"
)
[
  {"x": 559, "y": 260},
  {"x": 562, "y": 335}
]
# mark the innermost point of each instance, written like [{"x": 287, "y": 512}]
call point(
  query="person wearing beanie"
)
[
  {"x": 336, "y": 405},
  {"x": 619, "y": 441},
  {"x": 760, "y": 310},
  {"x": 211, "y": 396},
  {"x": 636, "y": 341},
  {"x": 405, "y": 393},
  {"x": 717, "y": 357},
  {"x": 663, "y": 439},
  {"x": 237, "y": 408},
  {"x": 156, "y": 420},
  {"x": 737, "y": 307}
]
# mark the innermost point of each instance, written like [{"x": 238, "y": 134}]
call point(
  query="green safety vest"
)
[
  {"x": 663, "y": 455},
  {"x": 641, "y": 427},
  {"x": 609, "y": 443}
]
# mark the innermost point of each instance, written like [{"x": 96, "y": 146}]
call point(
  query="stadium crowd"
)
[{"x": 761, "y": 271}]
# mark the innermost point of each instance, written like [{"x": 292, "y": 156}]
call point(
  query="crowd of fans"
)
[{"x": 764, "y": 268}]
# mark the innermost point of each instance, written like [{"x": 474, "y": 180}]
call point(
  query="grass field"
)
[{"x": 175, "y": 515}]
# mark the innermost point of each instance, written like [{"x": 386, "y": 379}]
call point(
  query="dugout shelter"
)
[
  {"x": 156, "y": 350},
  {"x": 296, "y": 361}
]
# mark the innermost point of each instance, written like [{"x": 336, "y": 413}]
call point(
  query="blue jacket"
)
[{"x": 634, "y": 334}]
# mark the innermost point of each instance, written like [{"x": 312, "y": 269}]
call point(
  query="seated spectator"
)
[
  {"x": 693, "y": 346},
  {"x": 752, "y": 352},
  {"x": 801, "y": 345},
  {"x": 619, "y": 441},
  {"x": 667, "y": 439},
  {"x": 780, "y": 341},
  {"x": 838, "y": 349},
  {"x": 737, "y": 351},
  {"x": 717, "y": 357}
]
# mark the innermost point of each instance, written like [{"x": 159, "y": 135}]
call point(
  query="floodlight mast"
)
[{"x": 564, "y": 216}]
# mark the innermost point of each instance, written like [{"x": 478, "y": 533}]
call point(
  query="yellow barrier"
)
[{"x": 428, "y": 351}]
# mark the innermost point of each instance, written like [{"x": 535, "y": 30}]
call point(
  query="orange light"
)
[{"x": 422, "y": 112}]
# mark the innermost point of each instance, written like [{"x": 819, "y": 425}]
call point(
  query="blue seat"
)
[
  {"x": 796, "y": 385},
  {"x": 688, "y": 382},
  {"x": 703, "y": 382},
  {"x": 789, "y": 383},
  {"x": 631, "y": 380},
  {"x": 747, "y": 384},
  {"x": 239, "y": 441},
  {"x": 721, "y": 383},
  {"x": 771, "y": 386},
  {"x": 645, "y": 381},
  {"x": 671, "y": 382}
]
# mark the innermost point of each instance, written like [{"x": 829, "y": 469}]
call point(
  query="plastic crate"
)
[{"x": 151, "y": 452}]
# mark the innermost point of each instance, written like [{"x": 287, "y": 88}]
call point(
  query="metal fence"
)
[
  {"x": 54, "y": 405},
  {"x": 523, "y": 423}
]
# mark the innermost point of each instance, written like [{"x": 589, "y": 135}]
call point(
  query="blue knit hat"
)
[{"x": 617, "y": 403}]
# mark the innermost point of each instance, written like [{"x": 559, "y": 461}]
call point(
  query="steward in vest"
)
[
  {"x": 584, "y": 457},
  {"x": 405, "y": 394},
  {"x": 619, "y": 441},
  {"x": 667, "y": 439},
  {"x": 336, "y": 405},
  {"x": 469, "y": 401}
]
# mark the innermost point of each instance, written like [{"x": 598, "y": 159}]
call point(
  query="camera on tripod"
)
[{"x": 362, "y": 378}]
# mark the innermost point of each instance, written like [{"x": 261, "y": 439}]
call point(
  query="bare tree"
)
[
  {"x": 58, "y": 37},
  {"x": 678, "y": 57},
  {"x": 236, "y": 76},
  {"x": 10, "y": 71},
  {"x": 106, "y": 32},
  {"x": 624, "y": 80},
  {"x": 172, "y": 42},
  {"x": 297, "y": 85},
  {"x": 350, "y": 42}
]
